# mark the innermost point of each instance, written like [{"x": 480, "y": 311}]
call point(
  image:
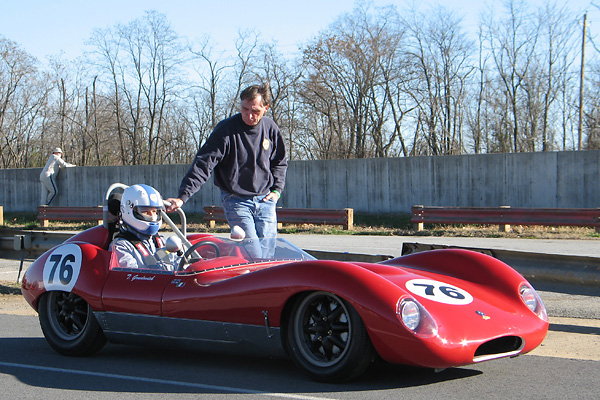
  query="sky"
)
[{"x": 52, "y": 27}]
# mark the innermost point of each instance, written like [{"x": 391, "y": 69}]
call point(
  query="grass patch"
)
[
  {"x": 21, "y": 220},
  {"x": 387, "y": 221}
]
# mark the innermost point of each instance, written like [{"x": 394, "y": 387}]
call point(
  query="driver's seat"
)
[{"x": 114, "y": 210}]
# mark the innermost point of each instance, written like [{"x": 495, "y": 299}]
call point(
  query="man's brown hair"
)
[{"x": 252, "y": 92}]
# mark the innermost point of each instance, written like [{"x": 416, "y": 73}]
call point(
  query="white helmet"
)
[{"x": 137, "y": 199}]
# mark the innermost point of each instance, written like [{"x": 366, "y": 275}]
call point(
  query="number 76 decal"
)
[
  {"x": 439, "y": 291},
  {"x": 62, "y": 268}
]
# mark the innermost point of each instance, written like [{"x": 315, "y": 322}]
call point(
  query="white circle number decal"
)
[
  {"x": 62, "y": 268},
  {"x": 439, "y": 291}
]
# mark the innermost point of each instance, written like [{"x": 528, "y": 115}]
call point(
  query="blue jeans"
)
[{"x": 256, "y": 217}]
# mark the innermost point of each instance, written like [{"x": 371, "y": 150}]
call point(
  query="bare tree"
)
[
  {"x": 442, "y": 65},
  {"x": 591, "y": 118},
  {"x": 395, "y": 72},
  {"x": 141, "y": 60},
  {"x": 107, "y": 44},
  {"x": 23, "y": 93},
  {"x": 512, "y": 44},
  {"x": 559, "y": 37},
  {"x": 476, "y": 116},
  {"x": 346, "y": 83},
  {"x": 66, "y": 122},
  {"x": 210, "y": 75},
  {"x": 242, "y": 74}
]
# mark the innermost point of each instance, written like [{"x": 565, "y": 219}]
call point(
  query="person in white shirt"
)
[{"x": 48, "y": 176}]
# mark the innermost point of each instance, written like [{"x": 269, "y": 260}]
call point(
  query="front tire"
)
[
  {"x": 327, "y": 338},
  {"x": 69, "y": 325}
]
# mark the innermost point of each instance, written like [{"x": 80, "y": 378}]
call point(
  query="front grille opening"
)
[{"x": 501, "y": 347}]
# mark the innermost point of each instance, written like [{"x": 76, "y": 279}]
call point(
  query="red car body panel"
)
[{"x": 230, "y": 290}]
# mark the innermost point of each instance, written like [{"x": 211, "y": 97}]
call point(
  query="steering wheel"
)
[{"x": 188, "y": 252}]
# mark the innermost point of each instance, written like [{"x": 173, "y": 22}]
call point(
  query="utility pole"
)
[{"x": 580, "y": 125}]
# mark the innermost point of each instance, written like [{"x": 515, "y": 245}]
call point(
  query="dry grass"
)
[{"x": 517, "y": 232}]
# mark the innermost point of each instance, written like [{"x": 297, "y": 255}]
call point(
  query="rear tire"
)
[
  {"x": 327, "y": 338},
  {"x": 69, "y": 325}
]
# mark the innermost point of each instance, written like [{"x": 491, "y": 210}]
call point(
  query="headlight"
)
[
  {"x": 410, "y": 314},
  {"x": 533, "y": 301},
  {"x": 416, "y": 318},
  {"x": 528, "y": 297}
]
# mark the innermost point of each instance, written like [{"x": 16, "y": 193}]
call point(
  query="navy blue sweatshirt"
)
[{"x": 246, "y": 160}]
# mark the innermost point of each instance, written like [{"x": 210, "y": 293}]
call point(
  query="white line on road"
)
[{"x": 163, "y": 381}]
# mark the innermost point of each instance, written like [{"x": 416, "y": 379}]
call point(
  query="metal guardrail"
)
[
  {"x": 322, "y": 216},
  {"x": 505, "y": 216},
  {"x": 51, "y": 213}
]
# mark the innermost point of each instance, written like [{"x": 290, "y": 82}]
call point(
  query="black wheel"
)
[
  {"x": 186, "y": 259},
  {"x": 327, "y": 338},
  {"x": 69, "y": 325}
]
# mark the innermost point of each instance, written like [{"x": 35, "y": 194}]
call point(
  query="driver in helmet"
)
[{"x": 137, "y": 244}]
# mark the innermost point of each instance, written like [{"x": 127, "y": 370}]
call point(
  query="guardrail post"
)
[
  {"x": 505, "y": 227},
  {"x": 419, "y": 226},
  {"x": 349, "y": 219},
  {"x": 1, "y": 215},
  {"x": 42, "y": 216}
]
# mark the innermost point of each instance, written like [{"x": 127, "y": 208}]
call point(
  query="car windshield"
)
[{"x": 267, "y": 249}]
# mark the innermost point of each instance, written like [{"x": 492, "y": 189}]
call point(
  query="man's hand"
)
[
  {"x": 272, "y": 196},
  {"x": 175, "y": 204}
]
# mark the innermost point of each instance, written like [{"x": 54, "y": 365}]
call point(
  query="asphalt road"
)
[
  {"x": 30, "y": 369},
  {"x": 566, "y": 366}
]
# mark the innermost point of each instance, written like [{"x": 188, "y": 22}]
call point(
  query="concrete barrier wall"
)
[{"x": 387, "y": 185}]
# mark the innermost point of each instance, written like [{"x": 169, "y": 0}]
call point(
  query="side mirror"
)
[
  {"x": 237, "y": 233},
  {"x": 173, "y": 244}
]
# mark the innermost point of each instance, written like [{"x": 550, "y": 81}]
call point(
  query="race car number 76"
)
[
  {"x": 62, "y": 268},
  {"x": 65, "y": 273},
  {"x": 439, "y": 291}
]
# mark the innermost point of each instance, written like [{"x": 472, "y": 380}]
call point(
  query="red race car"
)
[{"x": 435, "y": 309}]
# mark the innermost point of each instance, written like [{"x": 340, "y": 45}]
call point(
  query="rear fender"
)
[{"x": 80, "y": 268}]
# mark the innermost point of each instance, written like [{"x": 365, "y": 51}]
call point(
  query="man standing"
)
[
  {"x": 48, "y": 176},
  {"x": 247, "y": 154}
]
